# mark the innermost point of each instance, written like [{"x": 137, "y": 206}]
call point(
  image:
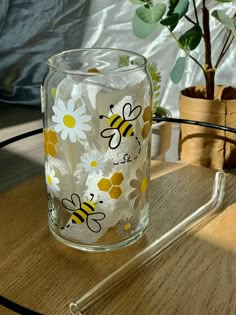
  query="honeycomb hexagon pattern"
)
[
  {"x": 117, "y": 178},
  {"x": 104, "y": 184},
  {"x": 112, "y": 185},
  {"x": 147, "y": 118},
  {"x": 50, "y": 141},
  {"x": 115, "y": 192}
]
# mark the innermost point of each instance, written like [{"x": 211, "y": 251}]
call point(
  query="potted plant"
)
[{"x": 209, "y": 102}]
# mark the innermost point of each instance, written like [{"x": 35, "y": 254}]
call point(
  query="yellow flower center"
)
[
  {"x": 93, "y": 163},
  {"x": 126, "y": 226},
  {"x": 53, "y": 92},
  {"x": 49, "y": 180},
  {"x": 69, "y": 121},
  {"x": 144, "y": 185}
]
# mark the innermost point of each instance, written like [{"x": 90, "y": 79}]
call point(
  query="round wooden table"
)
[{"x": 195, "y": 276}]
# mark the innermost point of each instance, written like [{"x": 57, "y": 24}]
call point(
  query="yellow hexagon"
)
[
  {"x": 147, "y": 114},
  {"x": 117, "y": 178},
  {"x": 45, "y": 135},
  {"x": 51, "y": 150},
  {"x": 146, "y": 129},
  {"x": 45, "y": 149},
  {"x": 115, "y": 192},
  {"x": 52, "y": 136},
  {"x": 104, "y": 184}
]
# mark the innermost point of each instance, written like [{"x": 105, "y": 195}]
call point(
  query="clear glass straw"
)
[{"x": 197, "y": 219}]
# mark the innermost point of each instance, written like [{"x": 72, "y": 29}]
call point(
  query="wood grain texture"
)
[{"x": 196, "y": 276}]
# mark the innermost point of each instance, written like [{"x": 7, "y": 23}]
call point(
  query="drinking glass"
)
[{"x": 97, "y": 116}]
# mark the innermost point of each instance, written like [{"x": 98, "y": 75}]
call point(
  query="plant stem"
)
[
  {"x": 187, "y": 53},
  {"x": 224, "y": 50},
  {"x": 190, "y": 20},
  {"x": 226, "y": 45},
  {"x": 195, "y": 11},
  {"x": 209, "y": 71}
]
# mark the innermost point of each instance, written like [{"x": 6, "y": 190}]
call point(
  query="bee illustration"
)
[
  {"x": 120, "y": 126},
  {"x": 84, "y": 212}
]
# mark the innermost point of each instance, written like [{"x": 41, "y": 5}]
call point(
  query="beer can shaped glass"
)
[{"x": 97, "y": 117}]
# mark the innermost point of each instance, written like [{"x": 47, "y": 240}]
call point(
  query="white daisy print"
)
[
  {"x": 71, "y": 121},
  {"x": 93, "y": 162},
  {"x": 51, "y": 180}
]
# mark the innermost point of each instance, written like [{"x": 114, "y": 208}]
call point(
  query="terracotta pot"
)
[{"x": 205, "y": 146}]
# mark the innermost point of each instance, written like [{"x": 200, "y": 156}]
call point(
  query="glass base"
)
[{"x": 99, "y": 247}]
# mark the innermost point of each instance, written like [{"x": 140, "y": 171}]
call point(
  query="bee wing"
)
[
  {"x": 114, "y": 135},
  {"x": 93, "y": 221},
  {"x": 129, "y": 113},
  {"x": 72, "y": 204}
]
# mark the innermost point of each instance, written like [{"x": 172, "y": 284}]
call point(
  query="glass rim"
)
[{"x": 82, "y": 73}]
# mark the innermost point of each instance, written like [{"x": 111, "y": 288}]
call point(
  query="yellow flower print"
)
[
  {"x": 53, "y": 92},
  {"x": 140, "y": 185},
  {"x": 93, "y": 162},
  {"x": 125, "y": 227},
  {"x": 50, "y": 141}
]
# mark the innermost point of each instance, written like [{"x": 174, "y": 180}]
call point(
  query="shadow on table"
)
[
  {"x": 16, "y": 168},
  {"x": 12, "y": 115}
]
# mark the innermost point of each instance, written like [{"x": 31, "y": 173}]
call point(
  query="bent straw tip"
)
[{"x": 74, "y": 309}]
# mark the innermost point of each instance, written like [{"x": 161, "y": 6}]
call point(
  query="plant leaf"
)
[
  {"x": 151, "y": 15},
  {"x": 137, "y": 1},
  {"x": 181, "y": 7},
  {"x": 170, "y": 20},
  {"x": 223, "y": 18},
  {"x": 123, "y": 61},
  {"x": 156, "y": 80},
  {"x": 233, "y": 1},
  {"x": 178, "y": 70},
  {"x": 177, "y": 7},
  {"x": 142, "y": 29},
  {"x": 191, "y": 39}
]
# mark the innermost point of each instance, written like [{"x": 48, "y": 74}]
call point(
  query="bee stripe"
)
[
  {"x": 126, "y": 129},
  {"x": 115, "y": 120},
  {"x": 77, "y": 217},
  {"x": 87, "y": 207}
]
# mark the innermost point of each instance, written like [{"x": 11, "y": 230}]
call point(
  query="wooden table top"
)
[{"x": 197, "y": 275}]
